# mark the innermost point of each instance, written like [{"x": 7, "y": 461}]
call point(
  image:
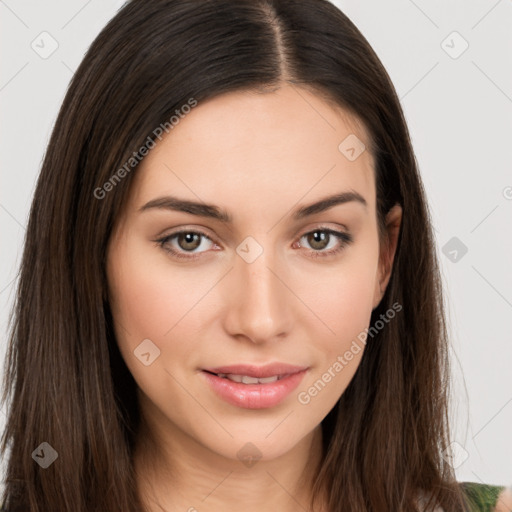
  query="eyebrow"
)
[{"x": 214, "y": 212}]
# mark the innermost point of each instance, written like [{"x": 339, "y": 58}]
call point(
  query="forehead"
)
[{"x": 272, "y": 146}]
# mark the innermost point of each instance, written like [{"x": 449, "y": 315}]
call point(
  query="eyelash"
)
[{"x": 344, "y": 238}]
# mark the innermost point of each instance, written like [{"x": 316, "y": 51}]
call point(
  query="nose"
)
[{"x": 259, "y": 303}]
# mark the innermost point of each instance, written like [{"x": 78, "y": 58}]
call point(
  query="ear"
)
[{"x": 387, "y": 252}]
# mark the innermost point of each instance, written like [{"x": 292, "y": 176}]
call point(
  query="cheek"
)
[
  {"x": 148, "y": 303},
  {"x": 348, "y": 301},
  {"x": 149, "y": 299},
  {"x": 338, "y": 351},
  {"x": 343, "y": 295},
  {"x": 144, "y": 305},
  {"x": 153, "y": 301},
  {"x": 137, "y": 298},
  {"x": 343, "y": 299}
]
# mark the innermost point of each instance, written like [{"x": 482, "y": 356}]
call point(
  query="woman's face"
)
[{"x": 258, "y": 277}]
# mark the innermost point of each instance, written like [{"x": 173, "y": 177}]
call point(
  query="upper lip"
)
[{"x": 259, "y": 372}]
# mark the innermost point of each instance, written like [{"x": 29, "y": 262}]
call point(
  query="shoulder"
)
[{"x": 482, "y": 497}]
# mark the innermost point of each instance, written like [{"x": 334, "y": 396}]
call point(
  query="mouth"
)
[
  {"x": 247, "y": 379},
  {"x": 278, "y": 370},
  {"x": 251, "y": 387}
]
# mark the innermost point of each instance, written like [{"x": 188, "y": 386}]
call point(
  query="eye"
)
[
  {"x": 187, "y": 242},
  {"x": 326, "y": 238}
]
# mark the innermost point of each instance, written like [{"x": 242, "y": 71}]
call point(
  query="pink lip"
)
[{"x": 255, "y": 396}]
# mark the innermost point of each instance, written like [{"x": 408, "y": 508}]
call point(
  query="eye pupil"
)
[
  {"x": 190, "y": 238},
  {"x": 317, "y": 239}
]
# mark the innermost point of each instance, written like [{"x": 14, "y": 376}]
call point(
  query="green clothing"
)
[{"x": 480, "y": 497}]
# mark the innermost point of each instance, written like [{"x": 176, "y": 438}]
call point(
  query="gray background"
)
[{"x": 458, "y": 105}]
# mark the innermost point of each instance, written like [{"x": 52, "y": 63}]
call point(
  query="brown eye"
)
[
  {"x": 188, "y": 241},
  {"x": 186, "y": 244},
  {"x": 318, "y": 239},
  {"x": 325, "y": 242}
]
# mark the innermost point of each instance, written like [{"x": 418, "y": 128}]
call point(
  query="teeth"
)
[
  {"x": 266, "y": 380},
  {"x": 245, "y": 379}
]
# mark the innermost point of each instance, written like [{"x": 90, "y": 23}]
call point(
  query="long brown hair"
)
[{"x": 65, "y": 381}]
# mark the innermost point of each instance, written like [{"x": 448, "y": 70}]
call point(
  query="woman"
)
[{"x": 229, "y": 294}]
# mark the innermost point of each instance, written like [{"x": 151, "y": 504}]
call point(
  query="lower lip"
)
[{"x": 254, "y": 396}]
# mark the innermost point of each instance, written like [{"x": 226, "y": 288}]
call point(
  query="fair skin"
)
[
  {"x": 504, "y": 503},
  {"x": 259, "y": 157}
]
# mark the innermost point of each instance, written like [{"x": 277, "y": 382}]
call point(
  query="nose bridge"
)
[{"x": 259, "y": 305}]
